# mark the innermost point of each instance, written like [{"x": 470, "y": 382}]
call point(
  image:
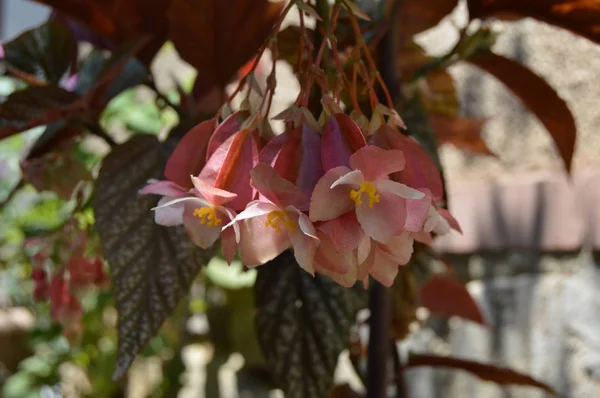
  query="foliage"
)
[{"x": 347, "y": 113}]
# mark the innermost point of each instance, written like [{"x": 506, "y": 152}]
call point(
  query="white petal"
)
[
  {"x": 179, "y": 200},
  {"x": 168, "y": 216},
  {"x": 398, "y": 189},
  {"x": 256, "y": 210},
  {"x": 354, "y": 177}
]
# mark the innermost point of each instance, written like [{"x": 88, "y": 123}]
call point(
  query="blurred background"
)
[{"x": 528, "y": 249}]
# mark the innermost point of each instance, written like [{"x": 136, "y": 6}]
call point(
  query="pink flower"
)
[
  {"x": 276, "y": 220},
  {"x": 379, "y": 203},
  {"x": 347, "y": 255},
  {"x": 167, "y": 216},
  {"x": 420, "y": 170},
  {"x": 221, "y": 188},
  {"x": 204, "y": 216}
]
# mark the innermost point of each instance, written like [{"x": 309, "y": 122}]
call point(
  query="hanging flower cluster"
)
[
  {"x": 62, "y": 269},
  {"x": 349, "y": 201}
]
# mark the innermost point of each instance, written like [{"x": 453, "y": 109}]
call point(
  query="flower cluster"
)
[
  {"x": 79, "y": 272},
  {"x": 349, "y": 201}
]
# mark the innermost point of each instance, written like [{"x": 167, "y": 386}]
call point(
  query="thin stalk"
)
[{"x": 379, "y": 337}]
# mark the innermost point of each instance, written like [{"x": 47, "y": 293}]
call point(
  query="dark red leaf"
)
[
  {"x": 415, "y": 16},
  {"x": 43, "y": 53},
  {"x": 538, "y": 96},
  {"x": 579, "y": 16},
  {"x": 448, "y": 297},
  {"x": 60, "y": 172},
  {"x": 120, "y": 21},
  {"x": 36, "y": 106},
  {"x": 218, "y": 37},
  {"x": 462, "y": 132},
  {"x": 344, "y": 391},
  {"x": 498, "y": 375}
]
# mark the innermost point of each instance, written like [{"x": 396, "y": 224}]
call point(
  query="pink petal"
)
[
  {"x": 420, "y": 170},
  {"x": 327, "y": 257},
  {"x": 450, "y": 218},
  {"x": 398, "y": 189},
  {"x": 279, "y": 191},
  {"x": 385, "y": 219},
  {"x": 230, "y": 165},
  {"x": 257, "y": 209},
  {"x": 189, "y": 154},
  {"x": 306, "y": 226},
  {"x": 344, "y": 231},
  {"x": 228, "y": 244},
  {"x": 347, "y": 279},
  {"x": 164, "y": 188},
  {"x": 399, "y": 249},
  {"x": 422, "y": 237},
  {"x": 376, "y": 163},
  {"x": 304, "y": 249},
  {"x": 201, "y": 234},
  {"x": 299, "y": 159},
  {"x": 260, "y": 243},
  {"x": 416, "y": 211},
  {"x": 351, "y": 131},
  {"x": 311, "y": 169},
  {"x": 214, "y": 195},
  {"x": 169, "y": 215},
  {"x": 353, "y": 178},
  {"x": 328, "y": 203},
  {"x": 224, "y": 131},
  {"x": 272, "y": 149},
  {"x": 363, "y": 249},
  {"x": 383, "y": 270},
  {"x": 341, "y": 138}
]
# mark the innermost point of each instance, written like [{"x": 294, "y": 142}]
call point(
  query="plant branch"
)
[
  {"x": 379, "y": 337},
  {"x": 12, "y": 193},
  {"x": 380, "y": 300}
]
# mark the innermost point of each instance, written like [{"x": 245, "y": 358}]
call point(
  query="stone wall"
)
[{"x": 530, "y": 230}]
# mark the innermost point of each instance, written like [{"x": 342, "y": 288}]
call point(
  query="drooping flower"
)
[
  {"x": 379, "y": 203},
  {"x": 220, "y": 189},
  {"x": 275, "y": 221},
  {"x": 204, "y": 214},
  {"x": 347, "y": 255},
  {"x": 296, "y": 156}
]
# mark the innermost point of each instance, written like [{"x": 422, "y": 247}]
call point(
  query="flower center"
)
[
  {"x": 276, "y": 218},
  {"x": 369, "y": 189},
  {"x": 208, "y": 216}
]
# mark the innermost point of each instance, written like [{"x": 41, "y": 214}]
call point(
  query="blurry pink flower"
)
[
  {"x": 276, "y": 220},
  {"x": 379, "y": 203}
]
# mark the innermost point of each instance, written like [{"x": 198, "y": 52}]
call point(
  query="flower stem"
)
[{"x": 379, "y": 337}]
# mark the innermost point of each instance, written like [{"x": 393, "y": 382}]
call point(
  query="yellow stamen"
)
[
  {"x": 369, "y": 189},
  {"x": 208, "y": 216},
  {"x": 276, "y": 218}
]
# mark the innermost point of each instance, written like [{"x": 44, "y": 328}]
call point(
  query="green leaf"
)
[
  {"x": 44, "y": 53},
  {"x": 303, "y": 325},
  {"x": 19, "y": 385},
  {"x": 152, "y": 266}
]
